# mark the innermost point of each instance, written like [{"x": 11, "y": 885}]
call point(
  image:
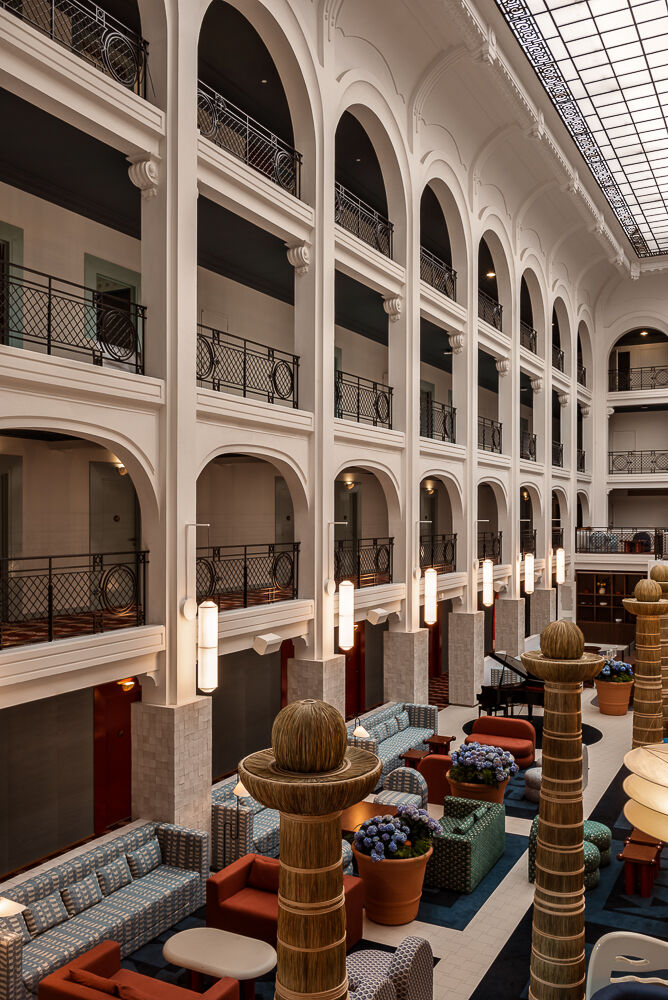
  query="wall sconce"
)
[
  {"x": 207, "y": 647},
  {"x": 529, "y": 573},
  {"x": 430, "y": 581},
  {"x": 561, "y": 566},
  {"x": 377, "y": 616},
  {"x": 487, "y": 583},
  {"x": 126, "y": 684},
  {"x": 346, "y": 615},
  {"x": 359, "y": 731}
]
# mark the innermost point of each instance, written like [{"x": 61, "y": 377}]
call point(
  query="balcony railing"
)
[
  {"x": 438, "y": 420},
  {"x": 528, "y": 337},
  {"x": 557, "y": 538},
  {"x": 51, "y": 316},
  {"x": 528, "y": 541},
  {"x": 242, "y": 576},
  {"x": 490, "y": 545},
  {"x": 226, "y": 362},
  {"x": 490, "y": 310},
  {"x": 632, "y": 463},
  {"x": 362, "y": 399},
  {"x": 90, "y": 33},
  {"x": 43, "y": 598},
  {"x": 490, "y": 435},
  {"x": 582, "y": 460},
  {"x": 221, "y": 121},
  {"x": 615, "y": 541},
  {"x": 582, "y": 374},
  {"x": 557, "y": 358},
  {"x": 367, "y": 562},
  {"x": 438, "y": 552},
  {"x": 528, "y": 445},
  {"x": 438, "y": 274},
  {"x": 364, "y": 221},
  {"x": 634, "y": 379},
  {"x": 558, "y": 454}
]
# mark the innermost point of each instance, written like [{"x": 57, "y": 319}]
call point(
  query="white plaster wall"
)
[
  {"x": 642, "y": 431},
  {"x": 361, "y": 355},
  {"x": 237, "y": 500},
  {"x": 627, "y": 509},
  {"x": 442, "y": 382},
  {"x": 230, "y": 306},
  {"x": 488, "y": 404},
  {"x": 645, "y": 355}
]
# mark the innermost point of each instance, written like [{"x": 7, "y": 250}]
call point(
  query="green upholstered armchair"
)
[{"x": 473, "y": 840}]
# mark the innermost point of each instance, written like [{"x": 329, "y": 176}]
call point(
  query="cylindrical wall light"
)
[
  {"x": 561, "y": 566},
  {"x": 529, "y": 573},
  {"x": 207, "y": 647},
  {"x": 487, "y": 583},
  {"x": 346, "y": 615},
  {"x": 430, "y": 581}
]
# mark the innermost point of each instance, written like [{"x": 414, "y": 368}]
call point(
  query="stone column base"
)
[
  {"x": 509, "y": 625},
  {"x": 171, "y": 763},
  {"x": 406, "y": 666},
  {"x": 321, "y": 679},
  {"x": 466, "y": 656},
  {"x": 543, "y": 609}
]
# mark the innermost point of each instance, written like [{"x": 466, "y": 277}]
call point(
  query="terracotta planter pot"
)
[
  {"x": 392, "y": 889},
  {"x": 613, "y": 698},
  {"x": 472, "y": 790}
]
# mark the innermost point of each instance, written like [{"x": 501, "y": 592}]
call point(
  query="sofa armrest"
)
[
  {"x": 231, "y": 833},
  {"x": 183, "y": 848},
  {"x": 363, "y": 743},
  {"x": 423, "y": 716},
  {"x": 224, "y": 989},
  {"x": 104, "y": 959},
  {"x": 229, "y": 881},
  {"x": 11, "y": 967}
]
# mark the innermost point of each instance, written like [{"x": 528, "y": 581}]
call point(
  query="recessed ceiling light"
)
[
  {"x": 644, "y": 407},
  {"x": 358, "y": 159},
  {"x": 264, "y": 81},
  {"x": 491, "y": 274},
  {"x": 643, "y": 333}
]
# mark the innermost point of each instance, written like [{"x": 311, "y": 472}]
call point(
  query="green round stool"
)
[
  {"x": 592, "y": 856},
  {"x": 600, "y": 835}
]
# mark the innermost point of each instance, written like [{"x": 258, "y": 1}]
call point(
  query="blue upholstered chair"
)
[
  {"x": 403, "y": 787},
  {"x": 410, "y": 968}
]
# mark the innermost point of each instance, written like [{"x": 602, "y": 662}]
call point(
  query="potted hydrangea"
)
[
  {"x": 392, "y": 853},
  {"x": 480, "y": 772},
  {"x": 613, "y": 687}
]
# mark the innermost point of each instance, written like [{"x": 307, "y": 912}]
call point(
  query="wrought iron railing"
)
[
  {"x": 362, "y": 399},
  {"x": 581, "y": 460},
  {"x": 221, "y": 121},
  {"x": 582, "y": 374},
  {"x": 557, "y": 538},
  {"x": 43, "y": 598},
  {"x": 490, "y": 310},
  {"x": 528, "y": 337},
  {"x": 557, "y": 358},
  {"x": 367, "y": 562},
  {"x": 558, "y": 454},
  {"x": 528, "y": 445},
  {"x": 52, "y": 316},
  {"x": 528, "y": 541},
  {"x": 91, "y": 33},
  {"x": 438, "y": 274},
  {"x": 438, "y": 420},
  {"x": 633, "y": 379},
  {"x": 439, "y": 552},
  {"x": 242, "y": 576},
  {"x": 364, "y": 221},
  {"x": 226, "y": 362},
  {"x": 490, "y": 545},
  {"x": 490, "y": 435},
  {"x": 633, "y": 463},
  {"x": 615, "y": 541}
]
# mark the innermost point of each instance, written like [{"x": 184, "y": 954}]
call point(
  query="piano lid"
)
[{"x": 512, "y": 663}]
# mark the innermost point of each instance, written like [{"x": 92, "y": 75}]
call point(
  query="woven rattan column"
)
[
  {"x": 647, "y": 606},
  {"x": 310, "y": 775},
  {"x": 558, "y": 941},
  {"x": 659, "y": 573}
]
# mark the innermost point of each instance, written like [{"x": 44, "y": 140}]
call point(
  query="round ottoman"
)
[
  {"x": 532, "y": 780},
  {"x": 601, "y": 836}
]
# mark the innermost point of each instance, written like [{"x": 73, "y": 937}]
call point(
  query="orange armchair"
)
[
  {"x": 434, "y": 768},
  {"x": 517, "y": 736}
]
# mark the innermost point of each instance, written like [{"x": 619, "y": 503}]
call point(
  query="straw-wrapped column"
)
[
  {"x": 648, "y": 607},
  {"x": 659, "y": 574},
  {"x": 310, "y": 775},
  {"x": 558, "y": 940}
]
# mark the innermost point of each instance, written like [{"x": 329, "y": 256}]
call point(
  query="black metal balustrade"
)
[
  {"x": 438, "y": 552},
  {"x": 615, "y": 541},
  {"x": 366, "y": 562},
  {"x": 226, "y": 362},
  {"x": 43, "y": 598},
  {"x": 528, "y": 337},
  {"x": 242, "y": 576},
  {"x": 528, "y": 541},
  {"x": 362, "y": 399},
  {"x": 90, "y": 33},
  {"x": 438, "y": 274},
  {"x": 490, "y": 435},
  {"x": 582, "y": 374},
  {"x": 490, "y": 310},
  {"x": 633, "y": 463},
  {"x": 582, "y": 460},
  {"x": 558, "y": 454},
  {"x": 557, "y": 358},
  {"x": 490, "y": 545},
  {"x": 221, "y": 121},
  {"x": 438, "y": 420},
  {"x": 557, "y": 538},
  {"x": 528, "y": 445},
  {"x": 364, "y": 221},
  {"x": 634, "y": 379}
]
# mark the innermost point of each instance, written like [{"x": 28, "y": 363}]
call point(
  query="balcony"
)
[
  {"x": 582, "y": 374},
  {"x": 226, "y": 363},
  {"x": 490, "y": 545},
  {"x": 635, "y": 463},
  {"x": 438, "y": 552},
  {"x": 558, "y": 454},
  {"x": 438, "y": 274},
  {"x": 490, "y": 435},
  {"x": 490, "y": 310},
  {"x": 528, "y": 446},
  {"x": 362, "y": 399},
  {"x": 582, "y": 460},
  {"x": 638, "y": 379},
  {"x": 91, "y": 34},
  {"x": 438, "y": 421},
  {"x": 243, "y": 576},
  {"x": 528, "y": 542},
  {"x": 557, "y": 358},
  {"x": 617, "y": 541},
  {"x": 362, "y": 220},
  {"x": 43, "y": 598},
  {"x": 366, "y": 562},
  {"x": 226, "y": 125},
  {"x": 557, "y": 538},
  {"x": 528, "y": 337}
]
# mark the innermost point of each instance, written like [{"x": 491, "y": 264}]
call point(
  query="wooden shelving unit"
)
[{"x": 600, "y": 609}]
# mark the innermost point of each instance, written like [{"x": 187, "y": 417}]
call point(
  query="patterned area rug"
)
[
  {"x": 439, "y": 688},
  {"x": 515, "y": 802}
]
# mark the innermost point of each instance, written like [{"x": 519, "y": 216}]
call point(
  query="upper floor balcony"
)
[
  {"x": 557, "y": 538},
  {"x": 490, "y": 435},
  {"x": 490, "y": 545},
  {"x": 617, "y": 541},
  {"x": 362, "y": 399},
  {"x": 366, "y": 562},
  {"x": 362, "y": 220},
  {"x": 227, "y": 363},
  {"x": 558, "y": 454},
  {"x": 528, "y": 541},
  {"x": 638, "y": 379},
  {"x": 490, "y": 310},
  {"x": 582, "y": 374},
  {"x": 558, "y": 357},
  {"x": 528, "y": 337},
  {"x": 439, "y": 552},
  {"x": 438, "y": 420},
  {"x": 528, "y": 445},
  {"x": 634, "y": 463},
  {"x": 438, "y": 274},
  {"x": 581, "y": 460},
  {"x": 242, "y": 576}
]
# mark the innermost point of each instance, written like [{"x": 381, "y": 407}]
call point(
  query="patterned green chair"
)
[
  {"x": 593, "y": 858},
  {"x": 472, "y": 841}
]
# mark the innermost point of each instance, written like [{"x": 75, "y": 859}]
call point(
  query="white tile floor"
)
[{"x": 466, "y": 955}]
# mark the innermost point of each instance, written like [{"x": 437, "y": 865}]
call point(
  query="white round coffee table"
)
[{"x": 212, "y": 952}]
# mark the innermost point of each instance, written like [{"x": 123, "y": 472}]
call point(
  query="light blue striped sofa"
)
[
  {"x": 393, "y": 730},
  {"x": 133, "y": 914}
]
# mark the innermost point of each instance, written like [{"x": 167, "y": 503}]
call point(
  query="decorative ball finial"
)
[
  {"x": 659, "y": 573},
  {"x": 309, "y": 737},
  {"x": 562, "y": 640},
  {"x": 647, "y": 591}
]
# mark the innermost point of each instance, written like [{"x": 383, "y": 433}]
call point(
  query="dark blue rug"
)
[{"x": 514, "y": 801}]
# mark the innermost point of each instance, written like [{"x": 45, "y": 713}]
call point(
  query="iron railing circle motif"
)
[
  {"x": 206, "y": 579},
  {"x": 284, "y": 170},
  {"x": 382, "y": 237},
  {"x": 116, "y": 333},
  {"x": 449, "y": 552},
  {"x": 660, "y": 378},
  {"x": 381, "y": 559},
  {"x": 282, "y": 380},
  {"x": 283, "y": 570},
  {"x": 120, "y": 58},
  {"x": 207, "y": 115},
  {"x": 620, "y": 463},
  {"x": 496, "y": 437},
  {"x": 205, "y": 359},
  {"x": 118, "y": 590},
  {"x": 381, "y": 406}
]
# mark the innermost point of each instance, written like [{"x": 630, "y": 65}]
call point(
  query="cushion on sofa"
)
[
  {"x": 100, "y": 983},
  {"x": 264, "y": 874},
  {"x": 403, "y": 721},
  {"x": 126, "y": 991},
  {"x": 383, "y": 731},
  {"x": 514, "y": 745},
  {"x": 144, "y": 859},
  {"x": 45, "y": 913},
  {"x": 464, "y": 825},
  {"x": 81, "y": 895},
  {"x": 392, "y": 727},
  {"x": 114, "y": 876},
  {"x": 15, "y": 925}
]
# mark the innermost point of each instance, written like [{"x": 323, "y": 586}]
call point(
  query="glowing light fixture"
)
[
  {"x": 346, "y": 615},
  {"x": 9, "y": 907},
  {"x": 647, "y": 788},
  {"x": 126, "y": 684},
  {"x": 529, "y": 573},
  {"x": 561, "y": 565},
  {"x": 430, "y": 580},
  {"x": 359, "y": 731},
  {"x": 491, "y": 274},
  {"x": 240, "y": 790},
  {"x": 487, "y": 583},
  {"x": 644, "y": 333},
  {"x": 207, "y": 647}
]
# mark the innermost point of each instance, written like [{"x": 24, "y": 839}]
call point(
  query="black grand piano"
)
[{"x": 523, "y": 689}]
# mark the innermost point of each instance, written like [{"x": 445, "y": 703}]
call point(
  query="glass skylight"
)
[{"x": 604, "y": 64}]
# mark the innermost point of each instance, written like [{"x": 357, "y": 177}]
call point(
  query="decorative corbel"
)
[
  {"x": 299, "y": 256},
  {"x": 393, "y": 306},
  {"x": 456, "y": 342},
  {"x": 144, "y": 174},
  {"x": 585, "y": 410},
  {"x": 563, "y": 399},
  {"x": 503, "y": 366},
  {"x": 537, "y": 383}
]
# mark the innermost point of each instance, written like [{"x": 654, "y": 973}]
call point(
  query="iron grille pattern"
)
[
  {"x": 439, "y": 552},
  {"x": 528, "y": 445},
  {"x": 362, "y": 399},
  {"x": 57, "y": 597},
  {"x": 52, "y": 316},
  {"x": 557, "y": 358},
  {"x": 582, "y": 374},
  {"x": 528, "y": 337},
  {"x": 616, "y": 540},
  {"x": 365, "y": 222},
  {"x": 558, "y": 454},
  {"x": 649, "y": 377},
  {"x": 490, "y": 435},
  {"x": 366, "y": 562},
  {"x": 557, "y": 538},
  {"x": 528, "y": 542},
  {"x": 438, "y": 274},
  {"x": 225, "y": 361},
  {"x": 582, "y": 460},
  {"x": 242, "y": 576},
  {"x": 438, "y": 420},
  {"x": 490, "y": 310},
  {"x": 226, "y": 125},
  {"x": 90, "y": 33},
  {"x": 490, "y": 545},
  {"x": 638, "y": 462}
]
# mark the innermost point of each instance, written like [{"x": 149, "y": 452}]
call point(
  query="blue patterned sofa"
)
[
  {"x": 393, "y": 730},
  {"x": 129, "y": 888}
]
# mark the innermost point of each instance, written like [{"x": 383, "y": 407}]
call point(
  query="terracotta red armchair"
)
[
  {"x": 517, "y": 736},
  {"x": 244, "y": 898},
  {"x": 434, "y": 768},
  {"x": 105, "y": 961}
]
